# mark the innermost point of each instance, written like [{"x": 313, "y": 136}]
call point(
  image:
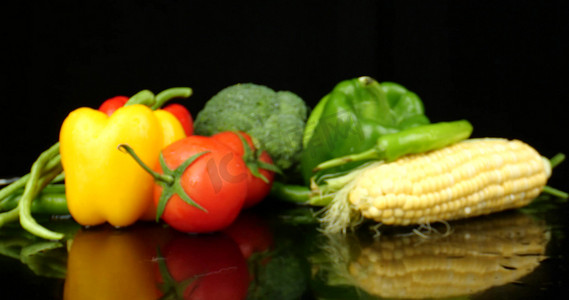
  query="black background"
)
[
  {"x": 503, "y": 66},
  {"x": 500, "y": 64}
]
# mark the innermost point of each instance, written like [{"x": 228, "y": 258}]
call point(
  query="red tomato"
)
[
  {"x": 211, "y": 266},
  {"x": 217, "y": 181},
  {"x": 231, "y": 139},
  {"x": 112, "y": 104},
  {"x": 257, "y": 189},
  {"x": 183, "y": 115}
]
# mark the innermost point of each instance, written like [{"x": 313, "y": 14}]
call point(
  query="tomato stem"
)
[
  {"x": 252, "y": 158},
  {"x": 168, "y": 190},
  {"x": 167, "y": 179},
  {"x": 249, "y": 158}
]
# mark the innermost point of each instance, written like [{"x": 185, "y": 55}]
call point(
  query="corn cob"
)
[
  {"x": 479, "y": 254},
  {"x": 470, "y": 178}
]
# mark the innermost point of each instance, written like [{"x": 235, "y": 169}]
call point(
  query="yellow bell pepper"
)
[{"x": 102, "y": 183}]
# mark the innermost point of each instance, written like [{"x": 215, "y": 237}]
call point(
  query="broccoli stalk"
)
[{"x": 275, "y": 120}]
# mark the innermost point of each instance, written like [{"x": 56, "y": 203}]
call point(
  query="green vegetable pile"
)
[{"x": 275, "y": 119}]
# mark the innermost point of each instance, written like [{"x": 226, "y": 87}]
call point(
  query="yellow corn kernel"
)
[{"x": 470, "y": 178}]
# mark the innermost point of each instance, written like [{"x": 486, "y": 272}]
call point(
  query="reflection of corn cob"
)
[
  {"x": 470, "y": 178},
  {"x": 479, "y": 254}
]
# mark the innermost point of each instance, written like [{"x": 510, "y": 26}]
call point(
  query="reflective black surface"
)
[{"x": 271, "y": 253}]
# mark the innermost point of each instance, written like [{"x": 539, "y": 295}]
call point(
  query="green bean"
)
[
  {"x": 34, "y": 185},
  {"x": 46, "y": 169},
  {"x": 54, "y": 163}
]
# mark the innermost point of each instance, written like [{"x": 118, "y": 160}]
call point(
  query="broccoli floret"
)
[
  {"x": 274, "y": 119},
  {"x": 290, "y": 103}
]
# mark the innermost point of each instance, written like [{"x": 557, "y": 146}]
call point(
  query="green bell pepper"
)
[{"x": 352, "y": 117}]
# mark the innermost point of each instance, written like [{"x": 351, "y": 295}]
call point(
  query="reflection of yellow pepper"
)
[
  {"x": 109, "y": 264},
  {"x": 102, "y": 183}
]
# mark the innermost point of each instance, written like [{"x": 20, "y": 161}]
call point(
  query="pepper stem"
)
[
  {"x": 169, "y": 94},
  {"x": 144, "y": 97}
]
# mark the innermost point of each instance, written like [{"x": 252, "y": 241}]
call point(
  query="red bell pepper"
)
[{"x": 179, "y": 111}]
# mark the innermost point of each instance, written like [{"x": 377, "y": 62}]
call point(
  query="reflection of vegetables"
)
[
  {"x": 477, "y": 255},
  {"x": 202, "y": 267},
  {"x": 44, "y": 258},
  {"x": 260, "y": 165},
  {"x": 251, "y": 233},
  {"x": 275, "y": 119},
  {"x": 200, "y": 186},
  {"x": 284, "y": 277},
  {"x": 467, "y": 179},
  {"x": 108, "y": 264},
  {"x": 283, "y": 272},
  {"x": 353, "y": 116}
]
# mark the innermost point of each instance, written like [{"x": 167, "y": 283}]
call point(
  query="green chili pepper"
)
[
  {"x": 51, "y": 200},
  {"x": 291, "y": 193},
  {"x": 420, "y": 139},
  {"x": 352, "y": 117}
]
